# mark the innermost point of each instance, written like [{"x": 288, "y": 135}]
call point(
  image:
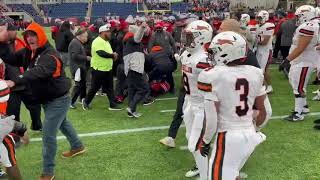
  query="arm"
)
[
  {"x": 172, "y": 43},
  {"x": 303, "y": 42},
  {"x": 259, "y": 102},
  {"x": 151, "y": 43},
  {"x": 139, "y": 34},
  {"x": 211, "y": 120},
  {"x": 104, "y": 54}
]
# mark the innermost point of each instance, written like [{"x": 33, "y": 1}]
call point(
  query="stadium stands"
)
[
  {"x": 27, "y": 8},
  {"x": 3, "y": 9},
  {"x": 66, "y": 10},
  {"x": 120, "y": 9}
]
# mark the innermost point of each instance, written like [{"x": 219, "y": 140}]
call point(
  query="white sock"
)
[
  {"x": 202, "y": 164},
  {"x": 299, "y": 103},
  {"x": 304, "y": 101}
]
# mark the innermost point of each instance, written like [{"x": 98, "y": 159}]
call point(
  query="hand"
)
[
  {"x": 204, "y": 149},
  {"x": 88, "y": 58},
  {"x": 318, "y": 47},
  {"x": 10, "y": 83},
  {"x": 25, "y": 139},
  {"x": 285, "y": 63},
  {"x": 177, "y": 57},
  {"x": 115, "y": 56}
]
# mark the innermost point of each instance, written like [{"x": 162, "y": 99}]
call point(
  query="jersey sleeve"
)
[
  {"x": 205, "y": 85},
  {"x": 268, "y": 29},
  {"x": 261, "y": 89},
  {"x": 307, "y": 29}
]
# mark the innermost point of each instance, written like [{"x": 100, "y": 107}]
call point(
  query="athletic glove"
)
[
  {"x": 204, "y": 149},
  {"x": 285, "y": 63}
]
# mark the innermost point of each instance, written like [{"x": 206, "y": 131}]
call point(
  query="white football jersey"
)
[
  {"x": 192, "y": 65},
  {"x": 307, "y": 57},
  {"x": 235, "y": 88},
  {"x": 6, "y": 126},
  {"x": 267, "y": 29}
]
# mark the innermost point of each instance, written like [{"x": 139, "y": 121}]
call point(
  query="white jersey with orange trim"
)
[
  {"x": 6, "y": 126},
  {"x": 307, "y": 57},
  {"x": 267, "y": 29},
  {"x": 235, "y": 88},
  {"x": 192, "y": 65}
]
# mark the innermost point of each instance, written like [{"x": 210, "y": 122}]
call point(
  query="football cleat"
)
[
  {"x": 168, "y": 141},
  {"x": 192, "y": 172},
  {"x": 294, "y": 117}
]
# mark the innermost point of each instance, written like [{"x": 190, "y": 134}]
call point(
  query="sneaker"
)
[
  {"x": 115, "y": 108},
  {"x": 316, "y": 97},
  {"x": 46, "y": 177},
  {"x": 73, "y": 106},
  {"x": 2, "y": 174},
  {"x": 80, "y": 101},
  {"x": 168, "y": 141},
  {"x": 317, "y": 126},
  {"x": 148, "y": 102},
  {"x": 85, "y": 106},
  {"x": 269, "y": 89},
  {"x": 192, "y": 172},
  {"x": 133, "y": 114},
  {"x": 316, "y": 92},
  {"x": 74, "y": 152},
  {"x": 294, "y": 117}
]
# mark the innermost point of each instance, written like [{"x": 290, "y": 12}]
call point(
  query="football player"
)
[
  {"x": 264, "y": 35},
  {"x": 303, "y": 58},
  {"x": 197, "y": 35},
  {"x": 230, "y": 90}
]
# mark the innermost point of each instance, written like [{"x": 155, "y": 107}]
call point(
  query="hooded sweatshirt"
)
[{"x": 44, "y": 70}]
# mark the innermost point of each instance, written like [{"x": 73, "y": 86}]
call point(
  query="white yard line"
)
[
  {"x": 166, "y": 99},
  {"x": 169, "y": 110},
  {"x": 127, "y": 131}
]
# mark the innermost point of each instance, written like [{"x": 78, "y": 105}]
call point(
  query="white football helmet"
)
[
  {"x": 262, "y": 17},
  {"x": 227, "y": 47},
  {"x": 244, "y": 20},
  {"x": 305, "y": 13},
  {"x": 197, "y": 34}
]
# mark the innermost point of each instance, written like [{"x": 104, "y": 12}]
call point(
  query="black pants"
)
[
  {"x": 137, "y": 89},
  {"x": 102, "y": 79},
  {"x": 177, "y": 118},
  {"x": 14, "y": 107},
  {"x": 80, "y": 88},
  {"x": 122, "y": 84},
  {"x": 277, "y": 47},
  {"x": 285, "y": 51}
]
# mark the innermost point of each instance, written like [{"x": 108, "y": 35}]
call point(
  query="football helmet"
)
[
  {"x": 244, "y": 20},
  {"x": 227, "y": 47},
  {"x": 262, "y": 17},
  {"x": 197, "y": 34},
  {"x": 305, "y": 13}
]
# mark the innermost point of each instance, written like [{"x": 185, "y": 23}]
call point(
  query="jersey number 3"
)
[{"x": 244, "y": 107}]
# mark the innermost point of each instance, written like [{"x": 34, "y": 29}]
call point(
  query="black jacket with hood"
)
[{"x": 44, "y": 70}]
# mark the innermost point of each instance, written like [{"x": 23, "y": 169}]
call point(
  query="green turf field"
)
[{"x": 290, "y": 152}]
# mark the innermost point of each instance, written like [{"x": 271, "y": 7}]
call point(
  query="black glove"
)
[
  {"x": 285, "y": 63},
  {"x": 19, "y": 129},
  {"x": 204, "y": 149}
]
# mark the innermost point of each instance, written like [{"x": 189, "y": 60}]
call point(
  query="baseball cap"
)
[{"x": 105, "y": 28}]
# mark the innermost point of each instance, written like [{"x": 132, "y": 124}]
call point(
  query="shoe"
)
[
  {"x": 269, "y": 89},
  {"x": 316, "y": 121},
  {"x": 73, "y": 106},
  {"x": 316, "y": 82},
  {"x": 46, "y": 177},
  {"x": 243, "y": 175},
  {"x": 133, "y": 114},
  {"x": 192, "y": 172},
  {"x": 168, "y": 141},
  {"x": 317, "y": 126},
  {"x": 85, "y": 106},
  {"x": 73, "y": 153},
  {"x": 148, "y": 102},
  {"x": 2, "y": 174},
  {"x": 80, "y": 101},
  {"x": 115, "y": 108},
  {"x": 316, "y": 97},
  {"x": 305, "y": 109},
  {"x": 119, "y": 99},
  {"x": 316, "y": 92},
  {"x": 294, "y": 117}
]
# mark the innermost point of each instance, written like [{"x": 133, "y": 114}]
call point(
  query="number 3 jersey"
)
[
  {"x": 192, "y": 65},
  {"x": 235, "y": 88}
]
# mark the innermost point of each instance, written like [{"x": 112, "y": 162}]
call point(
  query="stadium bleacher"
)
[
  {"x": 66, "y": 10},
  {"x": 27, "y": 8},
  {"x": 120, "y": 9}
]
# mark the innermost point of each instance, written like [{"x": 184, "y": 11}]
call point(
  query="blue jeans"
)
[{"x": 56, "y": 118}]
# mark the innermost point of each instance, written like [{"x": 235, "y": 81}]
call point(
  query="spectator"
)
[
  {"x": 163, "y": 39},
  {"x": 64, "y": 37},
  {"x": 101, "y": 63},
  {"x": 161, "y": 66},
  {"x": 78, "y": 65},
  {"x": 134, "y": 60},
  {"x": 50, "y": 87},
  {"x": 20, "y": 93}
]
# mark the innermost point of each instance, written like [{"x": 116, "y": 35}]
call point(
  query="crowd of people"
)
[{"x": 221, "y": 60}]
